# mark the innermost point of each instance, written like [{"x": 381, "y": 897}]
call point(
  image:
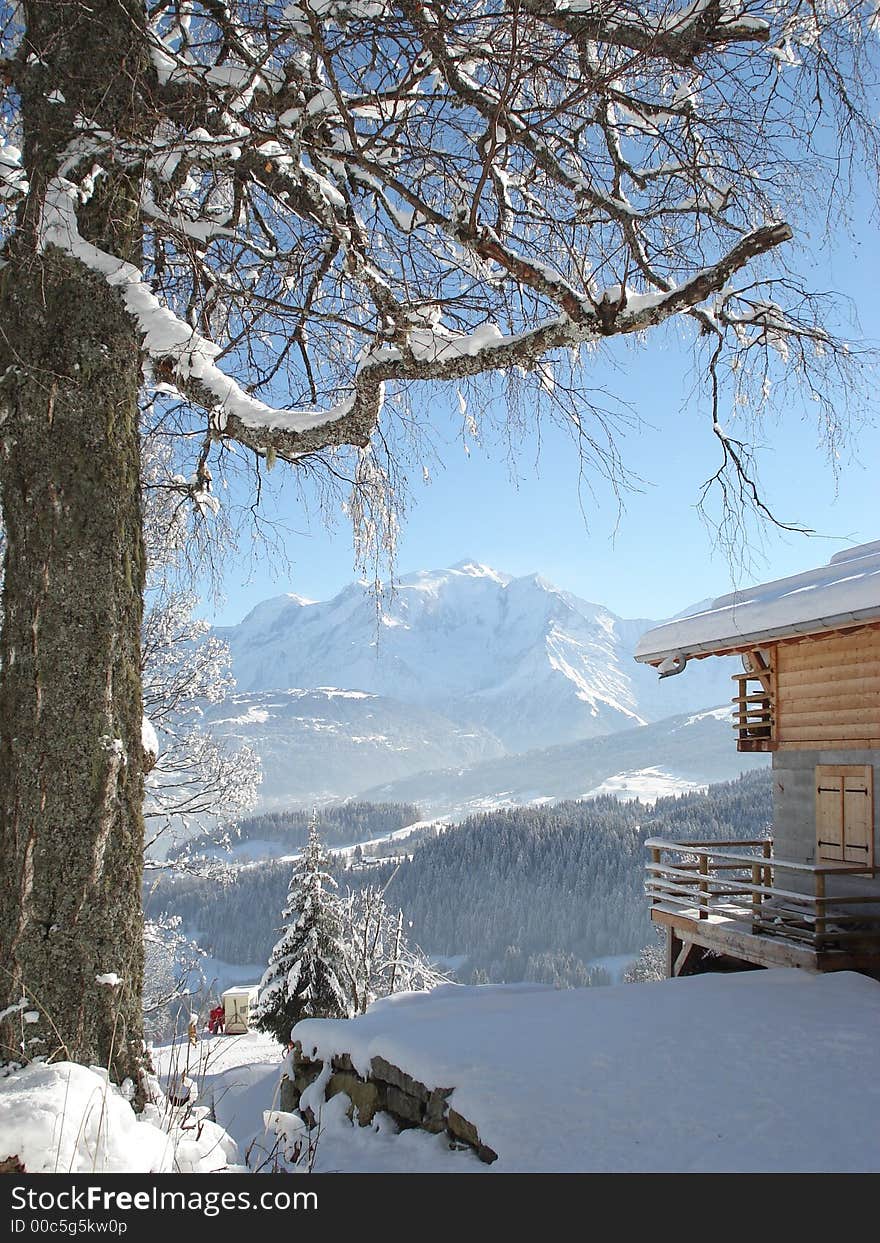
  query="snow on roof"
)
[
  {"x": 842, "y": 593},
  {"x": 708, "y": 1073},
  {"x": 240, "y": 988}
]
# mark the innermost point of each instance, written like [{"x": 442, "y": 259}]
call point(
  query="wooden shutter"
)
[
  {"x": 858, "y": 817},
  {"x": 829, "y": 813},
  {"x": 845, "y": 813}
]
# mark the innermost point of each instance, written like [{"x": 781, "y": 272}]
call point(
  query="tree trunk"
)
[{"x": 71, "y": 760}]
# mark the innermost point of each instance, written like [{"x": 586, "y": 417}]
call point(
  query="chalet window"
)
[{"x": 845, "y": 813}]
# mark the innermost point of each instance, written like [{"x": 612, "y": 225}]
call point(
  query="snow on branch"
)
[
  {"x": 434, "y": 353},
  {"x": 186, "y": 360},
  {"x": 181, "y": 354},
  {"x": 679, "y": 35},
  {"x": 13, "y": 179},
  {"x": 343, "y": 195},
  {"x": 438, "y": 354}
]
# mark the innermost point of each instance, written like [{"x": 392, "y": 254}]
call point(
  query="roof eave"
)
[{"x": 778, "y": 634}]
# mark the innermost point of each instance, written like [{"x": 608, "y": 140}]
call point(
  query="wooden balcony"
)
[
  {"x": 734, "y": 902},
  {"x": 754, "y": 712}
]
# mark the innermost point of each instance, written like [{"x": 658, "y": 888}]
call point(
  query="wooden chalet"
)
[{"x": 809, "y": 694}]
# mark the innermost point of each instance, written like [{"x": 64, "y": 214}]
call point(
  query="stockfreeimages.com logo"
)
[{"x": 98, "y": 1199}]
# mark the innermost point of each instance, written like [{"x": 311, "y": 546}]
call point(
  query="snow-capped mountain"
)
[{"x": 517, "y": 657}]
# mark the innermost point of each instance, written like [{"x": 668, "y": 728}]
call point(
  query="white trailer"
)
[{"x": 239, "y": 1004}]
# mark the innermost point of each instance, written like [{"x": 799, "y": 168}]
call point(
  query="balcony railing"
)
[
  {"x": 743, "y": 885},
  {"x": 753, "y": 714}
]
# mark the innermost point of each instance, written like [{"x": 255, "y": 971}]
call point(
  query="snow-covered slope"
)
[
  {"x": 531, "y": 664},
  {"x": 643, "y": 1077},
  {"x": 325, "y": 745},
  {"x": 665, "y": 757},
  {"x": 555, "y": 1080}
]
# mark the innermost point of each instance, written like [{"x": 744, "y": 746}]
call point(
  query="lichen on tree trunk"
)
[
  {"x": 71, "y": 761},
  {"x": 71, "y": 783}
]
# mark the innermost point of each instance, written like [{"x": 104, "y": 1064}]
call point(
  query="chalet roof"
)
[{"x": 843, "y": 593}]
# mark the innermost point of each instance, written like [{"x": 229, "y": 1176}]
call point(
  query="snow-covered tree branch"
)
[
  {"x": 379, "y": 958},
  {"x": 338, "y": 198},
  {"x": 195, "y": 780}
]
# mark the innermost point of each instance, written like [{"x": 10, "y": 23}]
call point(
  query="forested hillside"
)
[
  {"x": 537, "y": 892},
  {"x": 342, "y": 825},
  {"x": 530, "y": 893}
]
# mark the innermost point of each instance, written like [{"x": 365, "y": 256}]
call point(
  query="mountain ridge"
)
[
  {"x": 528, "y": 662},
  {"x": 674, "y": 755}
]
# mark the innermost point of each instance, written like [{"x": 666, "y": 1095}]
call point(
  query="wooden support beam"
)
[
  {"x": 704, "y": 886},
  {"x": 673, "y": 947},
  {"x": 688, "y": 959},
  {"x": 762, "y": 671}
]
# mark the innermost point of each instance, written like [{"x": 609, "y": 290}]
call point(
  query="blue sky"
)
[{"x": 653, "y": 559}]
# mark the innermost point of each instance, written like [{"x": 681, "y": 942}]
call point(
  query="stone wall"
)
[{"x": 386, "y": 1089}]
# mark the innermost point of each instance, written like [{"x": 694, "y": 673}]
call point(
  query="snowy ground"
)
[
  {"x": 235, "y": 1077},
  {"x": 762, "y": 1070},
  {"x": 614, "y": 964},
  {"x": 422, "y": 828},
  {"x": 65, "y": 1118}
]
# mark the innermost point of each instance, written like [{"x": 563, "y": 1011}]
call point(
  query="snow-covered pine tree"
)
[{"x": 302, "y": 979}]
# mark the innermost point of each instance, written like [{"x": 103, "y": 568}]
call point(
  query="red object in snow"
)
[{"x": 216, "y": 1021}]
